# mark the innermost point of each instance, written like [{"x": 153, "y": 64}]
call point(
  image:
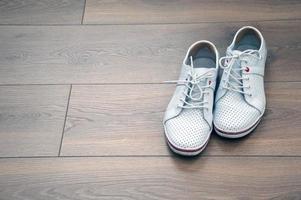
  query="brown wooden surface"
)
[
  {"x": 188, "y": 11},
  {"x": 148, "y": 53},
  {"x": 41, "y": 11},
  {"x": 151, "y": 178},
  {"x": 127, "y": 120},
  {"x": 81, "y": 101},
  {"x": 31, "y": 120}
]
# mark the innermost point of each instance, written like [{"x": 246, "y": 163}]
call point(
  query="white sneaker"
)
[
  {"x": 188, "y": 118},
  {"x": 240, "y": 99}
]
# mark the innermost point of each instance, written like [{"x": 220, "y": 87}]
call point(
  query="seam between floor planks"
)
[
  {"x": 108, "y": 84},
  {"x": 65, "y": 119},
  {"x": 154, "y": 24},
  {"x": 83, "y": 14},
  {"x": 155, "y": 156}
]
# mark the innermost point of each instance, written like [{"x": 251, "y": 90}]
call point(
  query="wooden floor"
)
[{"x": 82, "y": 100}]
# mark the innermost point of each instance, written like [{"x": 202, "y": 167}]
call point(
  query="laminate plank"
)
[
  {"x": 110, "y": 120},
  {"x": 148, "y": 53},
  {"x": 187, "y": 11},
  {"x": 150, "y": 178},
  {"x": 41, "y": 12},
  {"x": 31, "y": 120}
]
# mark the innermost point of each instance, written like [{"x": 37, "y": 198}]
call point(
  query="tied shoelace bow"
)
[
  {"x": 192, "y": 83},
  {"x": 235, "y": 74}
]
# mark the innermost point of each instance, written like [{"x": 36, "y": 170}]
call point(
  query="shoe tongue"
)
[
  {"x": 249, "y": 59},
  {"x": 236, "y": 53},
  {"x": 201, "y": 70},
  {"x": 198, "y": 72}
]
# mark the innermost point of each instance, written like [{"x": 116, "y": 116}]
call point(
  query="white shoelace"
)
[
  {"x": 235, "y": 74},
  {"x": 192, "y": 82}
]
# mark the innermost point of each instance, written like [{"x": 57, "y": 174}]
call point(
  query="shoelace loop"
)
[
  {"x": 227, "y": 63},
  {"x": 192, "y": 82}
]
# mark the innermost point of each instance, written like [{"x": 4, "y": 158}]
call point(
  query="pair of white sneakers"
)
[{"x": 239, "y": 101}]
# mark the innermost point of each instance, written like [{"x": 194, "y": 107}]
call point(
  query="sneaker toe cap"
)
[
  {"x": 233, "y": 119},
  {"x": 185, "y": 136}
]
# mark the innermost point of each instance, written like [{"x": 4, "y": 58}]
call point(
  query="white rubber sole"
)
[
  {"x": 187, "y": 153},
  {"x": 237, "y": 135}
]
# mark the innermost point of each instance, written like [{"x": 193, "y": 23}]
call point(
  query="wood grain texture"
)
[
  {"x": 113, "y": 146},
  {"x": 41, "y": 12},
  {"x": 187, "y": 11},
  {"x": 31, "y": 120},
  {"x": 148, "y": 53},
  {"x": 127, "y": 120},
  {"x": 116, "y": 120},
  {"x": 150, "y": 178}
]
